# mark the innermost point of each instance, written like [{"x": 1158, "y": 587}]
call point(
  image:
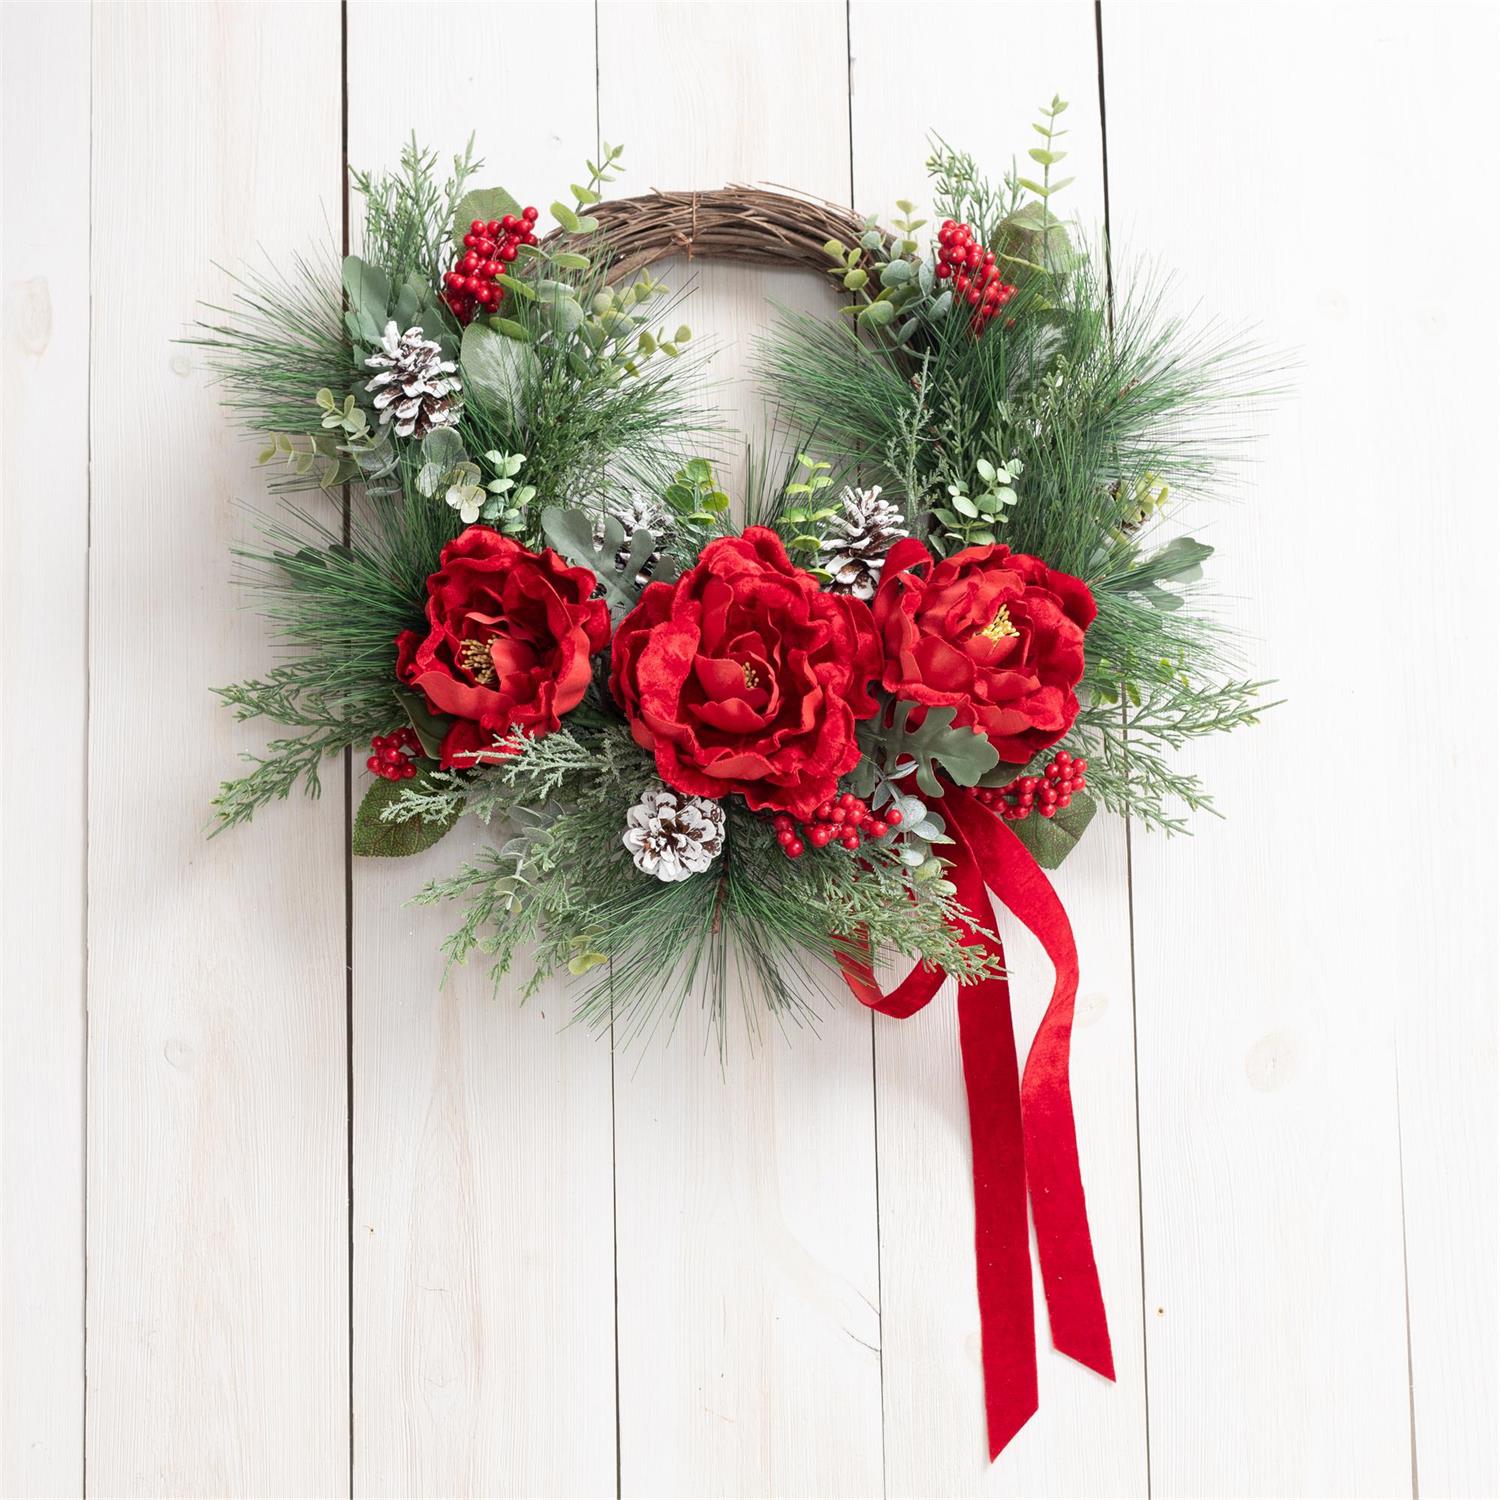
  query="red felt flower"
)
[
  {"x": 744, "y": 676},
  {"x": 994, "y": 634},
  {"x": 509, "y": 640}
]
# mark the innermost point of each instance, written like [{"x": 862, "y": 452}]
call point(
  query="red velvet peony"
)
[
  {"x": 995, "y": 634},
  {"x": 511, "y": 633},
  {"x": 744, "y": 676}
]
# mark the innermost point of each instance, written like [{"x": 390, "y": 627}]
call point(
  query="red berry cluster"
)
[
  {"x": 972, "y": 269},
  {"x": 1047, "y": 794},
  {"x": 470, "y": 287},
  {"x": 390, "y": 759},
  {"x": 847, "y": 819}
]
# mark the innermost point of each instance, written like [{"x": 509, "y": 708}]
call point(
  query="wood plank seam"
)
[{"x": 1109, "y": 284}]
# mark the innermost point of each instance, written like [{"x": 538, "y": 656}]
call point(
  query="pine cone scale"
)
[{"x": 415, "y": 388}]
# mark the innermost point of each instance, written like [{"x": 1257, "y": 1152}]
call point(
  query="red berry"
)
[
  {"x": 877, "y": 829},
  {"x": 795, "y": 849},
  {"x": 894, "y": 817},
  {"x": 529, "y": 214}
]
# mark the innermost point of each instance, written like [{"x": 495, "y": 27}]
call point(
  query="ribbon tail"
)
[
  {"x": 1002, "y": 1248},
  {"x": 1002, "y": 1252},
  {"x": 1070, "y": 1274}
]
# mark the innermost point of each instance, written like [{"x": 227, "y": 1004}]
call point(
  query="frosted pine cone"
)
[
  {"x": 858, "y": 539},
  {"x": 671, "y": 835},
  {"x": 416, "y": 388}
]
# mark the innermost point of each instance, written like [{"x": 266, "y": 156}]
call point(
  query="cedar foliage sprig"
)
[{"x": 559, "y": 878}]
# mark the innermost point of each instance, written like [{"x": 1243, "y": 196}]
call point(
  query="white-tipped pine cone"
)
[
  {"x": 416, "y": 389},
  {"x": 671, "y": 835},
  {"x": 857, "y": 541}
]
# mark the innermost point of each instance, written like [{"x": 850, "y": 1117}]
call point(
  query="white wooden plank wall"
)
[{"x": 350, "y": 1232}]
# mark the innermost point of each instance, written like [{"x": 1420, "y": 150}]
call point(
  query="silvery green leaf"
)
[
  {"x": 482, "y": 203},
  {"x": 496, "y": 370}
]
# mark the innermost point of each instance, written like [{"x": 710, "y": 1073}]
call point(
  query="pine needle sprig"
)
[{"x": 278, "y": 342}]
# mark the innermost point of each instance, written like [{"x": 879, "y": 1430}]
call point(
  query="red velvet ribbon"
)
[{"x": 1021, "y": 1129}]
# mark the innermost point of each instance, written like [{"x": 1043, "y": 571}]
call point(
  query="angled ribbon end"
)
[
  {"x": 1006, "y": 1417},
  {"x": 1092, "y": 1353}
]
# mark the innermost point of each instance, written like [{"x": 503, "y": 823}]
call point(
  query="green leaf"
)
[
  {"x": 511, "y": 329},
  {"x": 571, "y": 532},
  {"x": 374, "y": 838},
  {"x": 878, "y": 315},
  {"x": 430, "y": 728},
  {"x": 369, "y": 291},
  {"x": 963, "y": 755},
  {"x": 1052, "y": 840},
  {"x": 497, "y": 369},
  {"x": 566, "y": 217},
  {"x": 482, "y": 203},
  {"x": 571, "y": 260},
  {"x": 1181, "y": 559}
]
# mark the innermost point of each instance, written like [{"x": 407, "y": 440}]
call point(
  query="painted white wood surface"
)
[
  {"x": 483, "y": 1309},
  {"x": 772, "y": 1336},
  {"x": 43, "y": 706},
  {"x": 1278, "y": 988},
  {"x": 217, "y": 1358},
  {"x": 747, "y": 1209}
]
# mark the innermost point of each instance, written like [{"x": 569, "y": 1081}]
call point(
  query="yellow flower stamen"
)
[
  {"x": 999, "y": 626},
  {"x": 751, "y": 677},
  {"x": 474, "y": 657}
]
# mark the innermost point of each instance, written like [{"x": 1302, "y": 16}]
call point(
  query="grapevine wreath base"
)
[{"x": 709, "y": 749}]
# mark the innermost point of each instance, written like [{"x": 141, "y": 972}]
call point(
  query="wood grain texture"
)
[
  {"x": 1315, "y": 994},
  {"x": 1438, "y": 126},
  {"x": 748, "y": 1299},
  {"x": 483, "y": 1212},
  {"x": 44, "y": 692},
  {"x": 217, "y": 1302},
  {"x": 1277, "y": 983},
  {"x": 1088, "y": 1436}
]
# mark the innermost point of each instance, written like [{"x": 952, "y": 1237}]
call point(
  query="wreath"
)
[{"x": 715, "y": 741}]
